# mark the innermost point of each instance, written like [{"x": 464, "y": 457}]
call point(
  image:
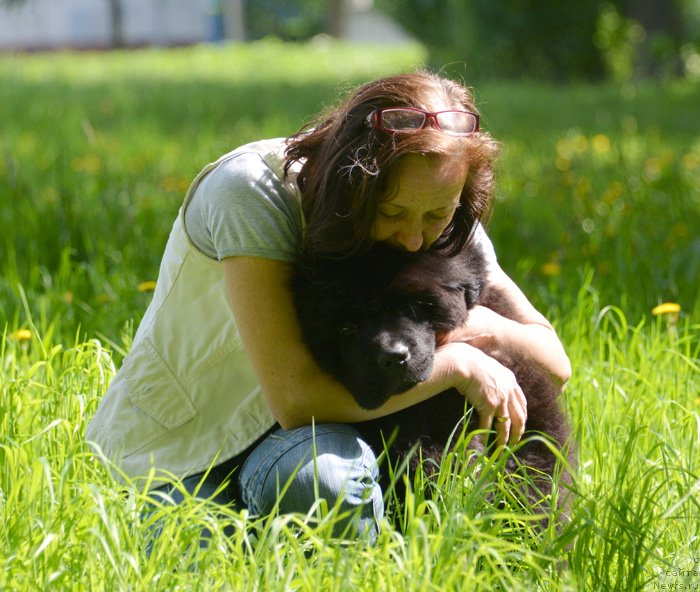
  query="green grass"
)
[{"x": 597, "y": 216}]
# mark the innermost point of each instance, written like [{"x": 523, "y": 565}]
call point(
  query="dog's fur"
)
[{"x": 371, "y": 321}]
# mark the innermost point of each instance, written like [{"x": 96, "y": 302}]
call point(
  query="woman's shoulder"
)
[
  {"x": 248, "y": 162},
  {"x": 241, "y": 206}
]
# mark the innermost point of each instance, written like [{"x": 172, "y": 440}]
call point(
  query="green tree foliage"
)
[
  {"x": 289, "y": 20},
  {"x": 506, "y": 38},
  {"x": 581, "y": 39}
]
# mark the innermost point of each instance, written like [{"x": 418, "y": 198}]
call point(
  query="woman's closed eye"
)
[
  {"x": 434, "y": 216},
  {"x": 443, "y": 213},
  {"x": 392, "y": 215},
  {"x": 438, "y": 216}
]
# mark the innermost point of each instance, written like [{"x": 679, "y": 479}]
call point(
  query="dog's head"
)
[{"x": 371, "y": 321}]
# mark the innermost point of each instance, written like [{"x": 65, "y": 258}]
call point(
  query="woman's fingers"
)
[
  {"x": 507, "y": 419},
  {"x": 494, "y": 392},
  {"x": 518, "y": 416},
  {"x": 502, "y": 425}
]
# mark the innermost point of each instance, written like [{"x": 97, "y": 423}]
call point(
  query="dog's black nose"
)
[{"x": 393, "y": 357}]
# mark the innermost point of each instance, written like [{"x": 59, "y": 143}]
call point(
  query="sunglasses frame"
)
[{"x": 374, "y": 119}]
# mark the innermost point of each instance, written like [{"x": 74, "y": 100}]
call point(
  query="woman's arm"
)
[
  {"x": 298, "y": 391},
  {"x": 513, "y": 326}
]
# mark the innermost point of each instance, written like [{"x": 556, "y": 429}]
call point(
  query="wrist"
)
[
  {"x": 482, "y": 324},
  {"x": 454, "y": 364}
]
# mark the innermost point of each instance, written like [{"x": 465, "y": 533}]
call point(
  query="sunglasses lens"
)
[
  {"x": 457, "y": 122},
  {"x": 402, "y": 119}
]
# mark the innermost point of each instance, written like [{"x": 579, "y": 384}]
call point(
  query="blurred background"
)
[
  {"x": 109, "y": 108},
  {"x": 578, "y": 39}
]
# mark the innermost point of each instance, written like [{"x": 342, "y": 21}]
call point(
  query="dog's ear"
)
[
  {"x": 472, "y": 273},
  {"x": 472, "y": 292}
]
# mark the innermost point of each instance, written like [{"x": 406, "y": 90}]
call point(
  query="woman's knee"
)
[{"x": 293, "y": 470}]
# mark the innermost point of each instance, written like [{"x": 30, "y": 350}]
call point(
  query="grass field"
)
[{"x": 597, "y": 219}]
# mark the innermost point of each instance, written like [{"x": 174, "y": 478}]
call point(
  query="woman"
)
[{"x": 218, "y": 373}]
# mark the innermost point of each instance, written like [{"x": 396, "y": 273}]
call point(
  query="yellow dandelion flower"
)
[
  {"x": 21, "y": 335},
  {"x": 600, "y": 143},
  {"x": 563, "y": 149},
  {"x": 666, "y": 308},
  {"x": 551, "y": 268},
  {"x": 90, "y": 163},
  {"x": 563, "y": 164},
  {"x": 690, "y": 161},
  {"x": 175, "y": 184},
  {"x": 613, "y": 191},
  {"x": 652, "y": 168},
  {"x": 148, "y": 286},
  {"x": 580, "y": 143}
]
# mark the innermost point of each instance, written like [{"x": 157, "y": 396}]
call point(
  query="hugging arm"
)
[
  {"x": 505, "y": 324},
  {"x": 297, "y": 390}
]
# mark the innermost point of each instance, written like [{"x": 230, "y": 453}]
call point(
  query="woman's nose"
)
[{"x": 410, "y": 239}]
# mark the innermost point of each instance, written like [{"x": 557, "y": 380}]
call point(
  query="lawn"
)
[{"x": 597, "y": 218}]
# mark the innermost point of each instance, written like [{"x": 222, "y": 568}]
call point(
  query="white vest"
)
[{"x": 186, "y": 394}]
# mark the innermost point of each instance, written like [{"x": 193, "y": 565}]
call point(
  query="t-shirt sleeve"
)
[{"x": 242, "y": 208}]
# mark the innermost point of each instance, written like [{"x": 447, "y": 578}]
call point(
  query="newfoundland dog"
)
[{"x": 372, "y": 321}]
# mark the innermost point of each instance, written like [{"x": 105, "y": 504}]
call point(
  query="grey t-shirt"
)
[{"x": 242, "y": 207}]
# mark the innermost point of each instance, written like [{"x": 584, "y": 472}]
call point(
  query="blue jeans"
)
[{"x": 291, "y": 470}]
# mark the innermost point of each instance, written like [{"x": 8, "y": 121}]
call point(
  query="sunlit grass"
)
[
  {"x": 597, "y": 219},
  {"x": 633, "y": 401}
]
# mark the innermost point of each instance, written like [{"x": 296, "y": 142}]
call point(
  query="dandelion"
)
[
  {"x": 579, "y": 143},
  {"x": 691, "y": 161},
  {"x": 21, "y": 335},
  {"x": 563, "y": 164},
  {"x": 551, "y": 268},
  {"x": 670, "y": 310},
  {"x": 175, "y": 184},
  {"x": 148, "y": 286},
  {"x": 600, "y": 143},
  {"x": 90, "y": 163},
  {"x": 614, "y": 191},
  {"x": 652, "y": 169},
  {"x": 666, "y": 308}
]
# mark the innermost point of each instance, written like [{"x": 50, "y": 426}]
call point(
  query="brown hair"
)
[{"x": 346, "y": 165}]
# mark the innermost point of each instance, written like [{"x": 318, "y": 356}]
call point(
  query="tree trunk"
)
[
  {"x": 116, "y": 16},
  {"x": 662, "y": 21},
  {"x": 234, "y": 19},
  {"x": 334, "y": 22}
]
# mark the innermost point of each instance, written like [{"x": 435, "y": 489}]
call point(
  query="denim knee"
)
[{"x": 293, "y": 469}]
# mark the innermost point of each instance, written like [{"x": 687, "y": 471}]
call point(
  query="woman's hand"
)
[{"x": 490, "y": 388}]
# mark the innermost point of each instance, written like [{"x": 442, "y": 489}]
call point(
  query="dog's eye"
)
[
  {"x": 347, "y": 328},
  {"x": 415, "y": 309},
  {"x": 425, "y": 304}
]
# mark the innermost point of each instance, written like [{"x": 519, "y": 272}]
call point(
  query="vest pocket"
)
[{"x": 155, "y": 390}]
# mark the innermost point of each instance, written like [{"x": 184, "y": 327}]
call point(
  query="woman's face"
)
[{"x": 424, "y": 195}]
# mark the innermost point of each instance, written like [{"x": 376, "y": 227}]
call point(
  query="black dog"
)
[{"x": 371, "y": 321}]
